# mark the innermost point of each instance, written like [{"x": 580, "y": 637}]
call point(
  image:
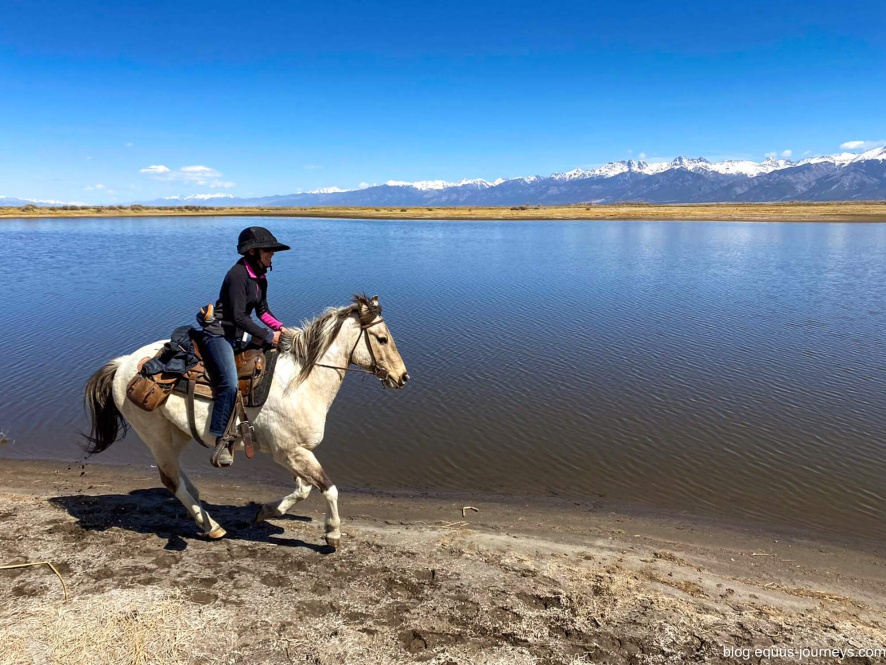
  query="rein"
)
[{"x": 375, "y": 368}]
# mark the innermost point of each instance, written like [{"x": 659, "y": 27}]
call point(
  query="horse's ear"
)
[
  {"x": 374, "y": 301},
  {"x": 363, "y": 309}
]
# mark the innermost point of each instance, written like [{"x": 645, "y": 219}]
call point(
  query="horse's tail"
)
[{"x": 107, "y": 423}]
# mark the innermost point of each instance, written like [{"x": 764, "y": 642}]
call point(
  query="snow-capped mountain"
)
[
  {"x": 426, "y": 185},
  {"x": 700, "y": 165},
  {"x": 40, "y": 203},
  {"x": 845, "y": 176},
  {"x": 327, "y": 190},
  {"x": 877, "y": 154}
]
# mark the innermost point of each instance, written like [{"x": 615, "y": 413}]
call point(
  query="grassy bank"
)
[{"x": 864, "y": 211}]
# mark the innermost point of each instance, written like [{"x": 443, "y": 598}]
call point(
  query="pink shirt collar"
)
[{"x": 249, "y": 271}]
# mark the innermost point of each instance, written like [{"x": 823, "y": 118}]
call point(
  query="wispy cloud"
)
[
  {"x": 312, "y": 167},
  {"x": 862, "y": 145},
  {"x": 199, "y": 171},
  {"x": 155, "y": 169},
  {"x": 99, "y": 187},
  {"x": 195, "y": 175},
  {"x": 128, "y": 144}
]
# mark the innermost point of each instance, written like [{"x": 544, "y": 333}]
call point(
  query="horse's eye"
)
[{"x": 382, "y": 340}]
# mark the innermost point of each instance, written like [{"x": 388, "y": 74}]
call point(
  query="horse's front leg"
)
[
  {"x": 302, "y": 463},
  {"x": 280, "y": 507}
]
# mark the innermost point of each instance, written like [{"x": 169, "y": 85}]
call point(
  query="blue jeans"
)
[{"x": 223, "y": 371}]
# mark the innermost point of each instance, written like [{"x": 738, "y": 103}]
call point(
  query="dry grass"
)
[
  {"x": 134, "y": 626},
  {"x": 417, "y": 591},
  {"x": 49, "y": 564},
  {"x": 853, "y": 211}
]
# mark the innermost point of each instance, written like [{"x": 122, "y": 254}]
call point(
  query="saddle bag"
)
[{"x": 148, "y": 392}]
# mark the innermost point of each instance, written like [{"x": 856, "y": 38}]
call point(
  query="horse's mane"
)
[{"x": 308, "y": 343}]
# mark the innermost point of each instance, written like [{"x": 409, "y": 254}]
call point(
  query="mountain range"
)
[{"x": 843, "y": 177}]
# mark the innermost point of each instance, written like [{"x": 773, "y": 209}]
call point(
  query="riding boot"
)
[{"x": 223, "y": 455}]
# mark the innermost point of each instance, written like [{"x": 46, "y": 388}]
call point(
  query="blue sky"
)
[{"x": 259, "y": 98}]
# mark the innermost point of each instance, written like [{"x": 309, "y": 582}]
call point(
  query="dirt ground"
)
[{"x": 414, "y": 581}]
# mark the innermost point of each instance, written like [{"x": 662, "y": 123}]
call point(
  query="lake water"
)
[{"x": 730, "y": 370}]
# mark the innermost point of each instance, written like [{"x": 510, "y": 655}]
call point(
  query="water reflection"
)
[{"x": 730, "y": 369}]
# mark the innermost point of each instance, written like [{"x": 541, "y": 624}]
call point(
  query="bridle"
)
[{"x": 377, "y": 371}]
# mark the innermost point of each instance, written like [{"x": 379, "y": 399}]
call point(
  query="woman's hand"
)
[{"x": 276, "y": 340}]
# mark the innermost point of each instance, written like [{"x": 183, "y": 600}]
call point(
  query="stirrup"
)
[{"x": 223, "y": 445}]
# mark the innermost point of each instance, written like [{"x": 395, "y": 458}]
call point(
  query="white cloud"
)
[
  {"x": 787, "y": 153},
  {"x": 312, "y": 167},
  {"x": 364, "y": 185},
  {"x": 642, "y": 155},
  {"x": 862, "y": 145},
  {"x": 196, "y": 175},
  {"x": 770, "y": 155},
  {"x": 155, "y": 169},
  {"x": 128, "y": 144},
  {"x": 202, "y": 171}
]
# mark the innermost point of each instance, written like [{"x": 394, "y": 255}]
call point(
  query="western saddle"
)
[{"x": 255, "y": 369}]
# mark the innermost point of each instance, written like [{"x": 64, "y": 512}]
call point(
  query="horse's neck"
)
[{"x": 325, "y": 382}]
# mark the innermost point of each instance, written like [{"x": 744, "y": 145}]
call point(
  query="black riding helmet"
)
[{"x": 257, "y": 237}]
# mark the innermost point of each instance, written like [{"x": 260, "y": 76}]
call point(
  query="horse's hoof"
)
[
  {"x": 334, "y": 543},
  {"x": 264, "y": 513},
  {"x": 216, "y": 533}
]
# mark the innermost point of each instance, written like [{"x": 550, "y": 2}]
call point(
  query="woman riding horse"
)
[
  {"x": 289, "y": 426},
  {"x": 243, "y": 291}
]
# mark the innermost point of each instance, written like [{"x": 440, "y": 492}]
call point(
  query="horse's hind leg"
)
[
  {"x": 280, "y": 507},
  {"x": 302, "y": 463},
  {"x": 167, "y": 447}
]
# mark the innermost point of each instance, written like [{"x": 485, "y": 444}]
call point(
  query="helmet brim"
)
[{"x": 265, "y": 245}]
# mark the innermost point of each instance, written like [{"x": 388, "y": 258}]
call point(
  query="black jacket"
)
[
  {"x": 242, "y": 294},
  {"x": 178, "y": 354}
]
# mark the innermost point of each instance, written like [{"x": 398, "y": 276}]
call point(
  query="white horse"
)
[{"x": 310, "y": 369}]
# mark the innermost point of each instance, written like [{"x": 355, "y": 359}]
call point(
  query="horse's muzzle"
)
[{"x": 392, "y": 382}]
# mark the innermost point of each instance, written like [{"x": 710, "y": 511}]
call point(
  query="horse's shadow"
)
[{"x": 155, "y": 511}]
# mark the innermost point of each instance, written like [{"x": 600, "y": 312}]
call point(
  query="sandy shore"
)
[
  {"x": 840, "y": 211},
  {"x": 414, "y": 581}
]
